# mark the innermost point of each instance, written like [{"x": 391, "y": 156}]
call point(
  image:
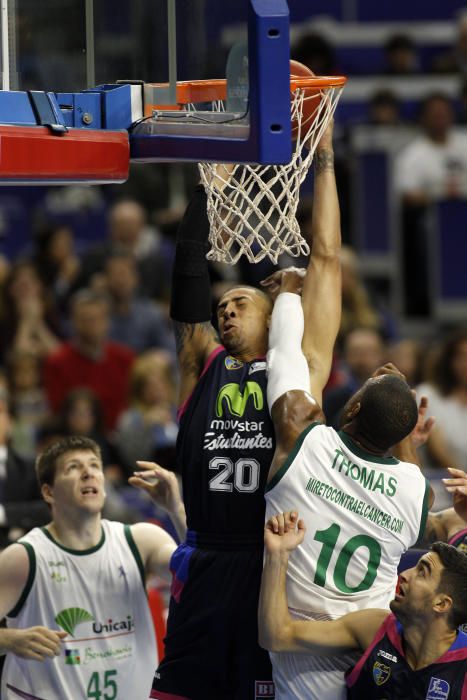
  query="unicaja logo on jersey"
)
[
  {"x": 70, "y": 618},
  {"x": 111, "y": 626},
  {"x": 236, "y": 400}
]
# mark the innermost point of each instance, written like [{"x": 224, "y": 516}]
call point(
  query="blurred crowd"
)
[
  {"x": 86, "y": 343},
  {"x": 88, "y": 349}
]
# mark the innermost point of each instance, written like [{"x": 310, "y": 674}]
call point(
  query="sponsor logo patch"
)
[
  {"x": 387, "y": 655},
  {"x": 72, "y": 657},
  {"x": 264, "y": 690},
  {"x": 70, "y": 618},
  {"x": 232, "y": 363},
  {"x": 381, "y": 673},
  {"x": 231, "y": 397},
  {"x": 257, "y": 367},
  {"x": 438, "y": 689}
]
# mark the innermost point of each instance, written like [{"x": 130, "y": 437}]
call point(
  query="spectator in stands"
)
[
  {"x": 56, "y": 260},
  {"x": 406, "y": 355},
  {"x": 364, "y": 352},
  {"x": 21, "y": 506},
  {"x": 446, "y": 389},
  {"x": 90, "y": 360},
  {"x": 81, "y": 414},
  {"x": 29, "y": 322},
  {"x": 357, "y": 308},
  {"x": 454, "y": 61},
  {"x": 384, "y": 109},
  {"x": 432, "y": 167},
  {"x": 134, "y": 321},
  {"x": 129, "y": 232},
  {"x": 28, "y": 401},
  {"x": 314, "y": 51},
  {"x": 401, "y": 56},
  {"x": 148, "y": 429}
]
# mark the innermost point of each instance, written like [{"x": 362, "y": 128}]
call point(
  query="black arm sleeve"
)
[{"x": 191, "y": 286}]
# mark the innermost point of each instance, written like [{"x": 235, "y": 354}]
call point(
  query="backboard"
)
[{"x": 66, "y": 47}]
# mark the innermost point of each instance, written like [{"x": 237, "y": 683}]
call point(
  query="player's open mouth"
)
[
  {"x": 89, "y": 490},
  {"x": 400, "y": 594}
]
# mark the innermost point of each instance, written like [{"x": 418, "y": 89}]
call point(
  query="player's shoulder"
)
[{"x": 15, "y": 563}]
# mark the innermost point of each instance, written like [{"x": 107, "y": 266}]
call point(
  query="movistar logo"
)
[{"x": 236, "y": 401}]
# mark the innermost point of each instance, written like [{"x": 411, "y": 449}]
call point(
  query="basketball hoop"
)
[{"x": 252, "y": 208}]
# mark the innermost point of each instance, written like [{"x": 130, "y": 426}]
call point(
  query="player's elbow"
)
[{"x": 277, "y": 639}]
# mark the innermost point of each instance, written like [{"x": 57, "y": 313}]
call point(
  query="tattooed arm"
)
[
  {"x": 195, "y": 342},
  {"x": 321, "y": 295}
]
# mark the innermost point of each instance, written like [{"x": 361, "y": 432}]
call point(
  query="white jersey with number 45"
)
[
  {"x": 361, "y": 513},
  {"x": 98, "y": 597}
]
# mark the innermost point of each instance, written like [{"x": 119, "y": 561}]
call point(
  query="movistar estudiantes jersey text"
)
[
  {"x": 383, "y": 671},
  {"x": 225, "y": 447},
  {"x": 361, "y": 512},
  {"x": 98, "y": 597}
]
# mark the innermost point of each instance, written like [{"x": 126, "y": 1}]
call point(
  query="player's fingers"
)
[
  {"x": 281, "y": 523},
  {"x": 151, "y": 477},
  {"x": 429, "y": 423},
  {"x": 148, "y": 466},
  {"x": 455, "y": 482},
  {"x": 273, "y": 524},
  {"x": 33, "y": 655},
  {"x": 140, "y": 483},
  {"x": 455, "y": 471},
  {"x": 45, "y": 646},
  {"x": 301, "y": 525},
  {"x": 423, "y": 404}
]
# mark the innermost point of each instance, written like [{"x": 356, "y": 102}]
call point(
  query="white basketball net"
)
[{"x": 252, "y": 209}]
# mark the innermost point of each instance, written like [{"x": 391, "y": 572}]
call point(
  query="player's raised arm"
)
[
  {"x": 278, "y": 631},
  {"x": 321, "y": 295},
  {"x": 290, "y": 402},
  {"x": 191, "y": 294}
]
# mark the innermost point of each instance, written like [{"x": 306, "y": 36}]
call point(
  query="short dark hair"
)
[
  {"x": 46, "y": 463},
  {"x": 384, "y": 97},
  {"x": 433, "y": 97},
  {"x": 453, "y": 580},
  {"x": 388, "y": 411}
]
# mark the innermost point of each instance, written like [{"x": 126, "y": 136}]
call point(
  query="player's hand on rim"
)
[{"x": 288, "y": 280}]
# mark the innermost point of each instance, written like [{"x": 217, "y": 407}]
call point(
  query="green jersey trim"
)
[
  {"x": 424, "y": 516},
  {"x": 363, "y": 454},
  {"x": 136, "y": 554},
  {"x": 30, "y": 580},
  {"x": 77, "y": 552},
  {"x": 291, "y": 456}
]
